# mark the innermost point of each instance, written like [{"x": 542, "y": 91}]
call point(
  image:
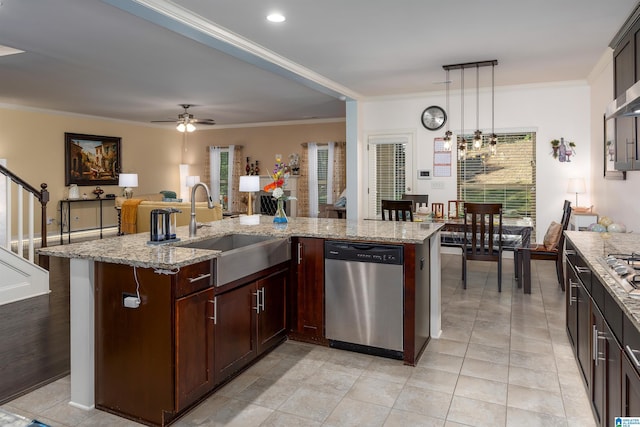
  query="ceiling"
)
[{"x": 137, "y": 60}]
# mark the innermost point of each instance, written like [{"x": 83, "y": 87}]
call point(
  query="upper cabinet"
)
[{"x": 626, "y": 62}]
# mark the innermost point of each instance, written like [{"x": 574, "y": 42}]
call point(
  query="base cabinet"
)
[
  {"x": 307, "y": 322},
  {"x": 630, "y": 389}
]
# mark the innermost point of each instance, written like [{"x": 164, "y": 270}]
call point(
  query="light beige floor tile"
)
[
  {"x": 356, "y": 413},
  {"x": 520, "y": 418},
  {"x": 535, "y": 361},
  {"x": 43, "y": 398},
  {"x": 442, "y": 362},
  {"x": 433, "y": 379},
  {"x": 375, "y": 390},
  {"x": 531, "y": 345},
  {"x": 542, "y": 380},
  {"x": 445, "y": 346},
  {"x": 66, "y": 414},
  {"x": 330, "y": 381},
  {"x": 267, "y": 392},
  {"x": 427, "y": 402},
  {"x": 456, "y": 333},
  {"x": 105, "y": 419},
  {"x": 281, "y": 419},
  {"x": 476, "y": 413},
  {"x": 483, "y": 369},
  {"x": 389, "y": 370},
  {"x": 488, "y": 353},
  {"x": 309, "y": 403},
  {"x": 398, "y": 418},
  {"x": 535, "y": 400},
  {"x": 481, "y": 389},
  {"x": 490, "y": 337}
]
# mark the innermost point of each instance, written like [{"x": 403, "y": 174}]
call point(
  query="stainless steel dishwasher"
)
[{"x": 364, "y": 297}]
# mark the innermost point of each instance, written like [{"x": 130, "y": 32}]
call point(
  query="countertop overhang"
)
[{"x": 133, "y": 249}]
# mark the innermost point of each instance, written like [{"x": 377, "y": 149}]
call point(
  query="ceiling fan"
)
[{"x": 186, "y": 122}]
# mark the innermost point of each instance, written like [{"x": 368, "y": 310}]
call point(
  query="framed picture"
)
[
  {"x": 91, "y": 159},
  {"x": 610, "y": 171}
]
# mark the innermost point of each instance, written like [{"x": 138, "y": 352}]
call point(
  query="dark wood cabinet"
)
[
  {"x": 571, "y": 287},
  {"x": 583, "y": 345},
  {"x": 250, "y": 319},
  {"x": 307, "y": 321},
  {"x": 136, "y": 372},
  {"x": 272, "y": 316},
  {"x": 234, "y": 335},
  {"x": 194, "y": 347},
  {"x": 630, "y": 388}
]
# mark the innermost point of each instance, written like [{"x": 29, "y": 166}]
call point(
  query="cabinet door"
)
[
  {"x": 194, "y": 347},
  {"x": 572, "y": 306},
  {"x": 310, "y": 288},
  {"x": 272, "y": 314},
  {"x": 630, "y": 389},
  {"x": 598, "y": 365},
  {"x": 584, "y": 333},
  {"x": 234, "y": 330},
  {"x": 613, "y": 388}
]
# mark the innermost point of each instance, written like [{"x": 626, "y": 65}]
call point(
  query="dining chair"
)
[
  {"x": 482, "y": 236},
  {"x": 418, "y": 200},
  {"x": 403, "y": 210},
  {"x": 551, "y": 249}
]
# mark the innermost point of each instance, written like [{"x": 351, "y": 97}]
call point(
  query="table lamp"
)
[
  {"x": 576, "y": 185},
  {"x": 249, "y": 184},
  {"x": 128, "y": 180}
]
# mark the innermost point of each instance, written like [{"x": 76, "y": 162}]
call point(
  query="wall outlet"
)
[{"x": 437, "y": 185}]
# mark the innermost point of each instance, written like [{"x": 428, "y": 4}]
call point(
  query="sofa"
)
[{"x": 135, "y": 213}]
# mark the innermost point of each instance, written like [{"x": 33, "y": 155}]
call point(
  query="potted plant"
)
[{"x": 555, "y": 144}]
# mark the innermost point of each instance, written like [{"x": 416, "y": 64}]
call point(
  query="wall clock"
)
[{"x": 434, "y": 117}]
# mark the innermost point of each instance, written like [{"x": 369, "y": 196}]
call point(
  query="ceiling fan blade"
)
[
  {"x": 204, "y": 121},
  {"x": 164, "y": 121}
]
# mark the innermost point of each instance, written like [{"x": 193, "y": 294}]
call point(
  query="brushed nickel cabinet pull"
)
[
  {"x": 200, "y": 277},
  {"x": 632, "y": 354}
]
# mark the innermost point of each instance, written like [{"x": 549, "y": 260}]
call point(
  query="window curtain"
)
[
  {"x": 339, "y": 174},
  {"x": 330, "y": 169},
  {"x": 303, "y": 183},
  {"x": 235, "y": 157},
  {"x": 312, "y": 156},
  {"x": 214, "y": 172},
  {"x": 230, "y": 170}
]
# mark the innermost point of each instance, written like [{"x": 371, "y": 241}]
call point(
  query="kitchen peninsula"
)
[{"x": 175, "y": 284}]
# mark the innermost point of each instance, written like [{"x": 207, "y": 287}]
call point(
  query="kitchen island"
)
[
  {"x": 96, "y": 265},
  {"x": 603, "y": 322}
]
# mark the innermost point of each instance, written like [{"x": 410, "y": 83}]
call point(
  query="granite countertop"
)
[
  {"x": 133, "y": 249},
  {"x": 592, "y": 245}
]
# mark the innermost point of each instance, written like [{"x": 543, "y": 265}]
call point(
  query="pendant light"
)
[
  {"x": 448, "y": 133},
  {"x": 493, "y": 140},
  {"x": 477, "y": 135},
  {"x": 462, "y": 146}
]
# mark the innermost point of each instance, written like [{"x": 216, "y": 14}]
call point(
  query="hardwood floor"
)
[{"x": 34, "y": 337}]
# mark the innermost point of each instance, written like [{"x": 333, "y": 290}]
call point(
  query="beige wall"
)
[
  {"x": 261, "y": 143},
  {"x": 33, "y": 144}
]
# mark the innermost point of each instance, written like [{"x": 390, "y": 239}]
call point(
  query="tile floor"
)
[{"x": 503, "y": 360}]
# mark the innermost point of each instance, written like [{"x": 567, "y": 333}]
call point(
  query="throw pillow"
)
[{"x": 552, "y": 237}]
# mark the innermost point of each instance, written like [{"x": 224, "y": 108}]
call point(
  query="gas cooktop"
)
[{"x": 625, "y": 270}]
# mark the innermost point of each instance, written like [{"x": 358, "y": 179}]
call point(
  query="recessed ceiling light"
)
[
  {"x": 276, "y": 17},
  {"x": 6, "y": 50}
]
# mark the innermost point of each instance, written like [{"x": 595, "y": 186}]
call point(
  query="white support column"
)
[
  {"x": 82, "y": 334},
  {"x": 436, "y": 285}
]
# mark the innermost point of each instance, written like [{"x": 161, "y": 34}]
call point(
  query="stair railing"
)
[{"x": 42, "y": 196}]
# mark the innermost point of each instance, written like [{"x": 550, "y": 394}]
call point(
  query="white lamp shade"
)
[
  {"x": 128, "y": 180},
  {"x": 249, "y": 183},
  {"x": 577, "y": 185},
  {"x": 192, "y": 180}
]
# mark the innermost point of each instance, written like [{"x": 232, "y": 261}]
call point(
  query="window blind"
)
[{"x": 508, "y": 177}]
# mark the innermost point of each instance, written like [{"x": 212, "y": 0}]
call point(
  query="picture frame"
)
[
  {"x": 609, "y": 144},
  {"x": 91, "y": 160}
]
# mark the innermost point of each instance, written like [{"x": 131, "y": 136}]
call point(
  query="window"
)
[
  {"x": 224, "y": 176},
  {"x": 508, "y": 177},
  {"x": 323, "y": 169},
  {"x": 390, "y": 169}
]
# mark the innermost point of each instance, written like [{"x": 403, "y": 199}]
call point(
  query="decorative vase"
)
[{"x": 280, "y": 217}]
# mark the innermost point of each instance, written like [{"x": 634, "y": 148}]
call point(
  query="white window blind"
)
[
  {"x": 323, "y": 167},
  {"x": 508, "y": 177},
  {"x": 389, "y": 169}
]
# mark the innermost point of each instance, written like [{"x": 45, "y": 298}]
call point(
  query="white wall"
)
[
  {"x": 552, "y": 111},
  {"x": 616, "y": 199}
]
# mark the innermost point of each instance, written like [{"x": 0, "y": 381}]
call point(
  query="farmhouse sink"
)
[{"x": 243, "y": 254}]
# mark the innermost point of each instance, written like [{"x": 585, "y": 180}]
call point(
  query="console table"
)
[{"x": 65, "y": 208}]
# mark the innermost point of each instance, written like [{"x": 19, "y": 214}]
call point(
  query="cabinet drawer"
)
[
  {"x": 631, "y": 339},
  {"x": 194, "y": 278},
  {"x": 614, "y": 315}
]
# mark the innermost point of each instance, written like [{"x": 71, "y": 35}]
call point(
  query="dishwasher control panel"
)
[{"x": 374, "y": 253}]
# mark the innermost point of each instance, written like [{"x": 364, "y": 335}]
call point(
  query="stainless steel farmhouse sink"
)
[{"x": 243, "y": 254}]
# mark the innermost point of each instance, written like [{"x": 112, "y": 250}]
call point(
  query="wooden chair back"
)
[
  {"x": 398, "y": 210},
  {"x": 483, "y": 231},
  {"x": 418, "y": 200}
]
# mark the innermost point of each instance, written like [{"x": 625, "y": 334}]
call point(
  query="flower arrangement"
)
[{"x": 280, "y": 176}]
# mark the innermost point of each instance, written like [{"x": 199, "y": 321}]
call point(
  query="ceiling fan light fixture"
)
[{"x": 190, "y": 127}]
